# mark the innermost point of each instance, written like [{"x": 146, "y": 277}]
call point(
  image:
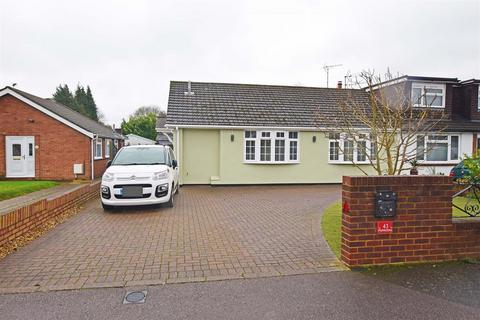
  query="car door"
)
[{"x": 175, "y": 171}]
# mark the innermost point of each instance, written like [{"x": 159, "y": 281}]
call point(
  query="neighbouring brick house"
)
[
  {"x": 42, "y": 139},
  {"x": 225, "y": 133}
]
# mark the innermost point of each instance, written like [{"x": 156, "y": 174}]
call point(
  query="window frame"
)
[
  {"x": 478, "y": 98},
  {"x": 341, "y": 139},
  {"x": 98, "y": 141},
  {"x": 271, "y": 136},
  {"x": 425, "y": 86},
  {"x": 108, "y": 146},
  {"x": 448, "y": 142}
]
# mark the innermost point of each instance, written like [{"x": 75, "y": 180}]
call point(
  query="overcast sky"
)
[{"x": 128, "y": 51}]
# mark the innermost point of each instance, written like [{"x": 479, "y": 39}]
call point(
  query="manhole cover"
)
[{"x": 135, "y": 297}]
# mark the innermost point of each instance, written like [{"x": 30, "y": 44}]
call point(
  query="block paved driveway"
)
[{"x": 212, "y": 233}]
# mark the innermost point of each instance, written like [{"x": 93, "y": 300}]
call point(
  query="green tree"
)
[
  {"x": 82, "y": 101},
  {"x": 91, "y": 105},
  {"x": 63, "y": 95},
  {"x": 142, "y": 125}
]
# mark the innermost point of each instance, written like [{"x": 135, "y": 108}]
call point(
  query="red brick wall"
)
[
  {"x": 423, "y": 229},
  {"x": 59, "y": 146},
  {"x": 20, "y": 221}
]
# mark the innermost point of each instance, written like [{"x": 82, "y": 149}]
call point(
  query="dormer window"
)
[{"x": 428, "y": 95}]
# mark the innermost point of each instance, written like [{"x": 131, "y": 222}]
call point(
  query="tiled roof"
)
[
  {"x": 226, "y": 104},
  {"x": 71, "y": 115}
]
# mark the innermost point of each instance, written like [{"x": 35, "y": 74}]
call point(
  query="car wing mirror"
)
[
  {"x": 109, "y": 163},
  {"x": 174, "y": 164}
]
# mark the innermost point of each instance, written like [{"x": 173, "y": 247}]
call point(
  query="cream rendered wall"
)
[
  {"x": 313, "y": 166},
  {"x": 199, "y": 155},
  {"x": 208, "y": 156}
]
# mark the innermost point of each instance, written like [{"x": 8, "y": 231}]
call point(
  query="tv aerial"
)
[{"x": 328, "y": 67}]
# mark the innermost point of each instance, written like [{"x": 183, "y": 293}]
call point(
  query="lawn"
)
[
  {"x": 332, "y": 221},
  {"x": 461, "y": 201},
  {"x": 12, "y": 189},
  {"x": 331, "y": 226}
]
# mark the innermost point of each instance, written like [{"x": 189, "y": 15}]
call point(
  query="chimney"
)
[
  {"x": 339, "y": 85},
  {"x": 189, "y": 88}
]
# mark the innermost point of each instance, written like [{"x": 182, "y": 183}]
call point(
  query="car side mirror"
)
[
  {"x": 109, "y": 163},
  {"x": 174, "y": 164}
]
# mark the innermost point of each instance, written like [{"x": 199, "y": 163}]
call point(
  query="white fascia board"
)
[
  {"x": 46, "y": 111},
  {"x": 386, "y": 83},
  {"x": 164, "y": 130}
]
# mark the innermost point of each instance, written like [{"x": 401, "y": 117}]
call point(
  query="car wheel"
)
[
  {"x": 169, "y": 203},
  {"x": 106, "y": 207}
]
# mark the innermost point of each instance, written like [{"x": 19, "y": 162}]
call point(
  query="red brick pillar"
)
[{"x": 423, "y": 229}]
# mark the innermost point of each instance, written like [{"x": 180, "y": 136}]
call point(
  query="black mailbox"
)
[{"x": 385, "y": 204}]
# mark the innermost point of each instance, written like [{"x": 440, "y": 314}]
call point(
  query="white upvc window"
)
[
  {"x": 271, "y": 146},
  {"x": 428, "y": 94},
  {"x": 98, "y": 148},
  {"x": 342, "y": 149},
  {"x": 478, "y": 100},
  {"x": 437, "y": 148},
  {"x": 107, "y": 148}
]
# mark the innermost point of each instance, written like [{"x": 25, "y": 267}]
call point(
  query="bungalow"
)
[
  {"x": 135, "y": 140},
  {"x": 266, "y": 134},
  {"x": 43, "y": 139}
]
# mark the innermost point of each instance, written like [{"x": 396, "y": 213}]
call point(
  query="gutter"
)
[{"x": 253, "y": 127}]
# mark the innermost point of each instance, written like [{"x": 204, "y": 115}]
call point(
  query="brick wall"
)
[
  {"x": 423, "y": 229},
  {"x": 59, "y": 146},
  {"x": 20, "y": 221}
]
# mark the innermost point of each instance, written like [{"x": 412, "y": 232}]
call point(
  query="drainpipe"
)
[
  {"x": 91, "y": 166},
  {"x": 177, "y": 144}
]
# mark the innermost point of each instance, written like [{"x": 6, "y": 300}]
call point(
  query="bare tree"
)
[
  {"x": 142, "y": 111},
  {"x": 382, "y": 122}
]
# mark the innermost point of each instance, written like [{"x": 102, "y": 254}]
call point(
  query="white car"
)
[{"x": 140, "y": 175}]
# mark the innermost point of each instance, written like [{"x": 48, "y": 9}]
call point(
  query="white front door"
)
[{"x": 20, "y": 155}]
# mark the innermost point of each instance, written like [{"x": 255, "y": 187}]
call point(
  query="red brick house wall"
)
[
  {"x": 59, "y": 146},
  {"x": 423, "y": 229}
]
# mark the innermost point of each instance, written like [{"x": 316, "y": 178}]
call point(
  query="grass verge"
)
[
  {"x": 332, "y": 226},
  {"x": 12, "y": 189}
]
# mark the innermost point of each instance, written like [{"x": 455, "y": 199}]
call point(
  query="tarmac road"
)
[{"x": 331, "y": 295}]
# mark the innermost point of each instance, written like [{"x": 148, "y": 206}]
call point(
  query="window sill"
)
[
  {"x": 271, "y": 162},
  {"x": 443, "y": 163},
  {"x": 432, "y": 107},
  {"x": 347, "y": 162},
  {"x": 97, "y": 158}
]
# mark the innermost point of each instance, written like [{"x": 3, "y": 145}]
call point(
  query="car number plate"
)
[{"x": 132, "y": 191}]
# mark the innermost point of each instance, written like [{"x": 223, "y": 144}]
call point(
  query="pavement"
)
[
  {"x": 212, "y": 233},
  {"x": 332, "y": 295}
]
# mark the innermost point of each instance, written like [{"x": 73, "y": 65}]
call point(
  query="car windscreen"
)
[{"x": 139, "y": 156}]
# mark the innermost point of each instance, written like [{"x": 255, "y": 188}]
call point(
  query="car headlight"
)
[
  {"x": 160, "y": 175},
  {"x": 108, "y": 177}
]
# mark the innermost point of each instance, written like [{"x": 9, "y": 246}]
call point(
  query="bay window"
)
[
  {"x": 271, "y": 147},
  {"x": 428, "y": 94},
  {"x": 438, "y": 148}
]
